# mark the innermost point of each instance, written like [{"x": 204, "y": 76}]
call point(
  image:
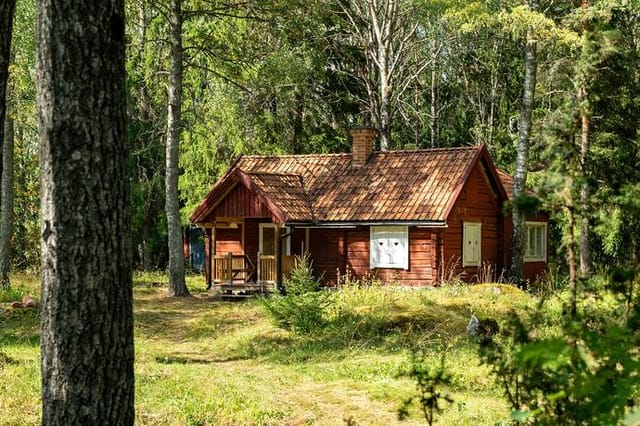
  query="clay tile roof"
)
[
  {"x": 418, "y": 185},
  {"x": 507, "y": 182},
  {"x": 286, "y": 191}
]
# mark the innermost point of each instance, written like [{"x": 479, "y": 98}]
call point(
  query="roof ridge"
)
[
  {"x": 396, "y": 151},
  {"x": 273, "y": 174},
  {"x": 333, "y": 154}
]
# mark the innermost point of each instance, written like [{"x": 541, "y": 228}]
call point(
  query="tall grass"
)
[{"x": 204, "y": 361}]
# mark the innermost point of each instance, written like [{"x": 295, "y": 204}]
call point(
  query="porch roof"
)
[{"x": 419, "y": 185}]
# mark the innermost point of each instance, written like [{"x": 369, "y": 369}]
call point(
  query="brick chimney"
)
[{"x": 362, "y": 144}]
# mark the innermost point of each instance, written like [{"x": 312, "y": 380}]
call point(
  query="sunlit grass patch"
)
[{"x": 200, "y": 360}]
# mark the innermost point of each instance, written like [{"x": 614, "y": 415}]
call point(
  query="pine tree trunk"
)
[
  {"x": 7, "y": 10},
  {"x": 518, "y": 236},
  {"x": 177, "y": 286},
  {"x": 86, "y": 316},
  {"x": 6, "y": 208}
]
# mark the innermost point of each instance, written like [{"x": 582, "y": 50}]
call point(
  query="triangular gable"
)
[
  {"x": 482, "y": 158},
  {"x": 283, "y": 195}
]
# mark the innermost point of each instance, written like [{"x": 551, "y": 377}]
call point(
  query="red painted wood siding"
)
[
  {"x": 476, "y": 203},
  {"x": 228, "y": 240},
  {"x": 327, "y": 253},
  {"x": 239, "y": 203},
  {"x": 530, "y": 270},
  {"x": 334, "y": 250}
]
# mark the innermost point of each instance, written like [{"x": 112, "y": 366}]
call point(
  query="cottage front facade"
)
[{"x": 413, "y": 218}]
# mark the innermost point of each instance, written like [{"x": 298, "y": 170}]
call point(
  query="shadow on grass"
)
[
  {"x": 390, "y": 332},
  {"x": 193, "y": 318},
  {"x": 19, "y": 327}
]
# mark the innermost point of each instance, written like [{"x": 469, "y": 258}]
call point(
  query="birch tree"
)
[
  {"x": 518, "y": 237},
  {"x": 385, "y": 31},
  {"x": 86, "y": 329}
]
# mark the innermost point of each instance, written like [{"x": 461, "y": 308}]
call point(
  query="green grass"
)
[{"x": 202, "y": 361}]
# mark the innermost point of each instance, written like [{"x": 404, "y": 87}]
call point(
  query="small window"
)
[
  {"x": 267, "y": 240},
  {"x": 536, "y": 242},
  {"x": 471, "y": 243},
  {"x": 389, "y": 247}
]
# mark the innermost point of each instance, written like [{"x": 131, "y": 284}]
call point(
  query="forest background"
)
[{"x": 291, "y": 76}]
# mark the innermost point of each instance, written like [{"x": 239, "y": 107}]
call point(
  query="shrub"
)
[
  {"x": 585, "y": 374},
  {"x": 302, "y": 306}
]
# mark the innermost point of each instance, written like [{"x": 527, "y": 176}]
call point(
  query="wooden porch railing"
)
[
  {"x": 230, "y": 267},
  {"x": 267, "y": 268}
]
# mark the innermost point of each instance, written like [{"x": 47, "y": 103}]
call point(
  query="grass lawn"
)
[{"x": 202, "y": 361}]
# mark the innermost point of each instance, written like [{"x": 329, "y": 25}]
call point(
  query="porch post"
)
[
  {"x": 278, "y": 254},
  {"x": 208, "y": 256},
  {"x": 306, "y": 241}
]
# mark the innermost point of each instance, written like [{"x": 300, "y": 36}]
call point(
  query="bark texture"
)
[
  {"x": 6, "y": 208},
  {"x": 7, "y": 10},
  {"x": 520, "y": 177},
  {"x": 87, "y": 316},
  {"x": 177, "y": 286}
]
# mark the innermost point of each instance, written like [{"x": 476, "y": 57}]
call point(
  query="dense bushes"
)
[{"x": 585, "y": 373}]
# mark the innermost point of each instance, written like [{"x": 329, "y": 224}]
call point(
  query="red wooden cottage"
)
[{"x": 410, "y": 217}]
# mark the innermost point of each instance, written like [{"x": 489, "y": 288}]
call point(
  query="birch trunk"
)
[
  {"x": 86, "y": 330},
  {"x": 177, "y": 286},
  {"x": 518, "y": 236}
]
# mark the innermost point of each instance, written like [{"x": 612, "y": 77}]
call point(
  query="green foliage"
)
[
  {"x": 302, "y": 308},
  {"x": 429, "y": 380},
  {"x": 585, "y": 373}
]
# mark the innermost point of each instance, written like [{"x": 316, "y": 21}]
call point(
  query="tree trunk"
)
[
  {"x": 585, "y": 122},
  {"x": 518, "y": 236},
  {"x": 585, "y": 248},
  {"x": 385, "y": 101},
  {"x": 6, "y": 208},
  {"x": 571, "y": 256},
  {"x": 433, "y": 118},
  {"x": 86, "y": 317},
  {"x": 7, "y": 10},
  {"x": 177, "y": 286}
]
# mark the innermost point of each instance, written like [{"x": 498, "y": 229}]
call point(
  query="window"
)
[
  {"x": 389, "y": 247},
  {"x": 267, "y": 240},
  {"x": 471, "y": 243},
  {"x": 535, "y": 249}
]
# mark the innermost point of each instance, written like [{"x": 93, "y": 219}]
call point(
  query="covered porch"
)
[{"x": 248, "y": 255}]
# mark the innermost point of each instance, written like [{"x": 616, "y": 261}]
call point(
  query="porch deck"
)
[{"x": 235, "y": 276}]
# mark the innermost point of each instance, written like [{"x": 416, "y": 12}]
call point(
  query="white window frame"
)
[
  {"x": 466, "y": 230},
  {"x": 389, "y": 236},
  {"x": 535, "y": 257},
  {"x": 283, "y": 230}
]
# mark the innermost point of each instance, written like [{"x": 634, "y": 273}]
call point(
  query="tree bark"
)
[
  {"x": 585, "y": 123},
  {"x": 7, "y": 10},
  {"x": 6, "y": 208},
  {"x": 177, "y": 285},
  {"x": 520, "y": 177},
  {"x": 571, "y": 256},
  {"x": 585, "y": 248},
  {"x": 86, "y": 326}
]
